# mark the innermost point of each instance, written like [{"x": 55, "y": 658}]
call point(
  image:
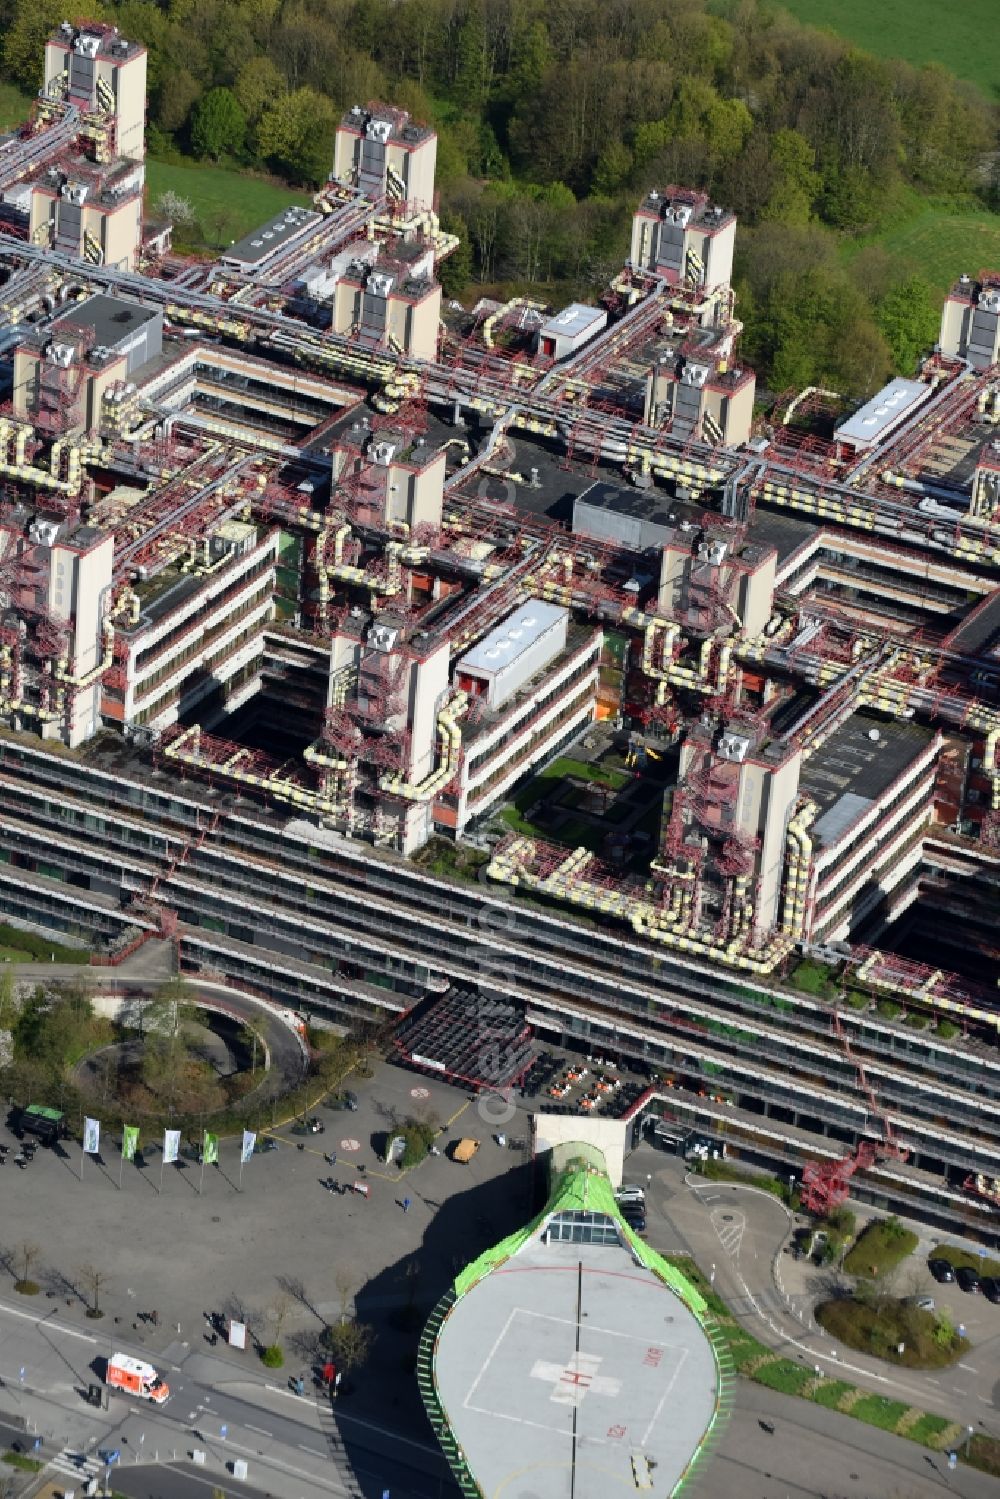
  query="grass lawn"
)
[
  {"x": 927, "y": 1428},
  {"x": 879, "y": 1330},
  {"x": 724, "y": 1171},
  {"x": 832, "y": 1391},
  {"x": 878, "y": 1410},
  {"x": 20, "y": 1461},
  {"x": 579, "y": 770},
  {"x": 920, "y": 31},
  {"x": 960, "y": 1257},
  {"x": 227, "y": 203},
  {"x": 32, "y": 947},
  {"x": 941, "y": 240},
  {"x": 14, "y": 106},
  {"x": 546, "y": 783},
  {"x": 884, "y": 1244},
  {"x": 784, "y": 1376}
]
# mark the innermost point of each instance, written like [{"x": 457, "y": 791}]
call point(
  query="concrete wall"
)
[
  {"x": 428, "y": 687},
  {"x": 608, "y": 1135}
]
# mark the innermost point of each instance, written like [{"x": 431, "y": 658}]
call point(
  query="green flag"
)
[
  {"x": 130, "y": 1141},
  {"x": 210, "y": 1149}
]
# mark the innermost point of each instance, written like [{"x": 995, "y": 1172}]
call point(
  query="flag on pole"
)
[
  {"x": 249, "y": 1141},
  {"x": 210, "y": 1149},
  {"x": 171, "y": 1145},
  {"x": 130, "y": 1141},
  {"x": 91, "y": 1136}
]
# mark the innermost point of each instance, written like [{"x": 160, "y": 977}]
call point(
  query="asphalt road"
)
[
  {"x": 817, "y": 1454},
  {"x": 741, "y": 1233},
  {"x": 295, "y": 1446}
]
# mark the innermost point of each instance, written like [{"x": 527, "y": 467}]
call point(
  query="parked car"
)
[
  {"x": 264, "y": 1145},
  {"x": 969, "y": 1280},
  {"x": 922, "y": 1303},
  {"x": 942, "y": 1271},
  {"x": 630, "y": 1194},
  {"x": 991, "y": 1287},
  {"x": 633, "y": 1213}
]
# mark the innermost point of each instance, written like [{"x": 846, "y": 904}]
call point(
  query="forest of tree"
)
[{"x": 553, "y": 118}]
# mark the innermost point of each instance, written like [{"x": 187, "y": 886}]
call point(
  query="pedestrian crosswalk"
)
[
  {"x": 730, "y": 1227},
  {"x": 72, "y": 1463}
]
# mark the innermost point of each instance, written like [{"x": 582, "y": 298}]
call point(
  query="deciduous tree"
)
[{"x": 218, "y": 124}]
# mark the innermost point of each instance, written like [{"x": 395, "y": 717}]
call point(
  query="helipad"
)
[{"x": 572, "y": 1369}]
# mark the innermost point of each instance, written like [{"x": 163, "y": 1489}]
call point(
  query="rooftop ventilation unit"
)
[
  {"x": 734, "y": 747},
  {"x": 989, "y": 300},
  {"x": 74, "y": 192},
  {"x": 712, "y": 551},
  {"x": 383, "y": 637},
  {"x": 379, "y": 284},
  {"x": 87, "y": 44},
  {"x": 379, "y": 130},
  {"x": 43, "y": 532},
  {"x": 695, "y": 374},
  {"x": 61, "y": 354},
  {"x": 382, "y": 453}
]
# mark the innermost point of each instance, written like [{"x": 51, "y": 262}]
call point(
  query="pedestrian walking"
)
[{"x": 406, "y": 1204}]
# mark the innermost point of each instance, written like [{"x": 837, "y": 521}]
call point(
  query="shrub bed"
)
[
  {"x": 880, "y": 1326},
  {"x": 881, "y": 1246}
]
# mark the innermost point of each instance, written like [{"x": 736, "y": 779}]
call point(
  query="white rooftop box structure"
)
[
  {"x": 511, "y": 654},
  {"x": 882, "y": 413},
  {"x": 567, "y": 331}
]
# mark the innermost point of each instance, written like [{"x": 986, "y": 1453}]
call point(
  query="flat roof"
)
[
  {"x": 574, "y": 319},
  {"x": 512, "y": 637},
  {"x": 404, "y": 130},
  {"x": 113, "y": 319},
  {"x": 979, "y": 632},
  {"x": 883, "y": 412},
  {"x": 850, "y": 764},
  {"x": 260, "y": 244},
  {"x": 572, "y": 1366}
]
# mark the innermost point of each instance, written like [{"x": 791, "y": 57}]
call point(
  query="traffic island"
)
[
  {"x": 893, "y": 1329},
  {"x": 754, "y": 1360}
]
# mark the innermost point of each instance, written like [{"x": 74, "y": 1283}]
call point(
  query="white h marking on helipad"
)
[{"x": 572, "y": 1381}]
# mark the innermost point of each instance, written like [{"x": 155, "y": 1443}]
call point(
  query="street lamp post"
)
[{"x": 970, "y": 1432}]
